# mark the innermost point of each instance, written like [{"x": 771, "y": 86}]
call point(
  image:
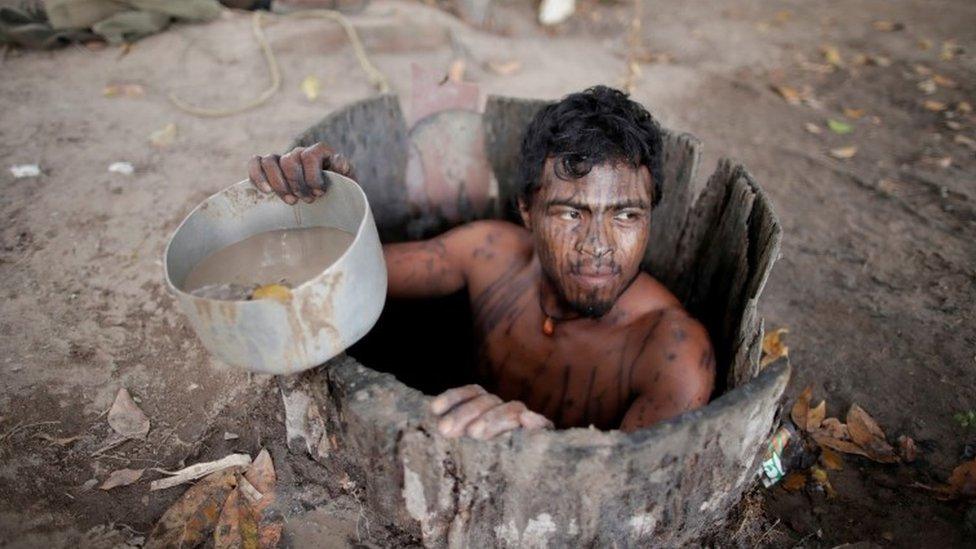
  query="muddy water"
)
[{"x": 288, "y": 257}]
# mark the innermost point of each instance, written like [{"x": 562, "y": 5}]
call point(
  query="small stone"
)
[{"x": 231, "y": 436}]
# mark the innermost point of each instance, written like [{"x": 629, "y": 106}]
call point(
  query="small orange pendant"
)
[{"x": 548, "y": 327}]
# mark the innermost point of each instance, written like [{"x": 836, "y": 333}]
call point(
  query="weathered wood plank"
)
[{"x": 373, "y": 135}]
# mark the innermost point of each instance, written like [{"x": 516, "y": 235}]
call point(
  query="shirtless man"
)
[{"x": 571, "y": 332}]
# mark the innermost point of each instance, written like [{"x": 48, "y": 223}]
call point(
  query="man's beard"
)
[{"x": 591, "y": 307}]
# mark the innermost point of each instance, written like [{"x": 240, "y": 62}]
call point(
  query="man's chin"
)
[{"x": 592, "y": 309}]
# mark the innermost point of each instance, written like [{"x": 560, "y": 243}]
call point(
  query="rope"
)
[{"x": 376, "y": 78}]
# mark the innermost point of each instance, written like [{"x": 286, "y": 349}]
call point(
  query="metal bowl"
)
[{"x": 324, "y": 315}]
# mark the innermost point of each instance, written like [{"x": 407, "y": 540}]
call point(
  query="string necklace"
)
[{"x": 549, "y": 321}]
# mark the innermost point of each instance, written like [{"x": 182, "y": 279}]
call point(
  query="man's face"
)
[{"x": 590, "y": 233}]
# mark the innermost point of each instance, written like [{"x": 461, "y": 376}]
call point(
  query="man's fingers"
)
[
  {"x": 452, "y": 397},
  {"x": 456, "y": 421},
  {"x": 291, "y": 167},
  {"x": 340, "y": 165},
  {"x": 256, "y": 174},
  {"x": 277, "y": 179},
  {"x": 497, "y": 421},
  {"x": 313, "y": 162},
  {"x": 532, "y": 420}
]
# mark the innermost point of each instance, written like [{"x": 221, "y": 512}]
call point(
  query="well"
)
[{"x": 666, "y": 485}]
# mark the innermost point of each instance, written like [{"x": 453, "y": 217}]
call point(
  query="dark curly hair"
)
[{"x": 586, "y": 129}]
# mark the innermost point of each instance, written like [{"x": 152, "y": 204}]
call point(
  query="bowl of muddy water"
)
[{"x": 274, "y": 288}]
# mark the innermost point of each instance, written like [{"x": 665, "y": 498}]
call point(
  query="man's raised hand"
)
[
  {"x": 298, "y": 173},
  {"x": 472, "y": 411}
]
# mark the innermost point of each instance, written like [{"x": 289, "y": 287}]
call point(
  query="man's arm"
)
[
  {"x": 430, "y": 268},
  {"x": 674, "y": 372}
]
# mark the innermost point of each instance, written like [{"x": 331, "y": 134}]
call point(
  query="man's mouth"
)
[{"x": 594, "y": 277}]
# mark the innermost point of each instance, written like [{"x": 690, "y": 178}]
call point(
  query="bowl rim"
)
[{"x": 331, "y": 177}]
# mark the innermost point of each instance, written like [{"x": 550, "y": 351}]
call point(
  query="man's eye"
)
[
  {"x": 569, "y": 215},
  {"x": 627, "y": 216}
]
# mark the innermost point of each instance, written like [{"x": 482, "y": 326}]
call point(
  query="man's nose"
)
[{"x": 596, "y": 241}]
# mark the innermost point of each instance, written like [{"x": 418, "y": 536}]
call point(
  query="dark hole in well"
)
[{"x": 428, "y": 344}]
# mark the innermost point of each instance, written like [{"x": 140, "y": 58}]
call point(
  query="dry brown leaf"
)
[
  {"x": 192, "y": 519},
  {"x": 505, "y": 68},
  {"x": 921, "y": 69},
  {"x": 813, "y": 128},
  {"x": 845, "y": 446},
  {"x": 831, "y": 459},
  {"x": 924, "y": 44},
  {"x": 964, "y": 106},
  {"x": 773, "y": 347},
  {"x": 934, "y": 106},
  {"x": 887, "y": 26},
  {"x": 866, "y": 433},
  {"x": 927, "y": 86},
  {"x": 124, "y": 90},
  {"x": 962, "y": 482},
  {"x": 949, "y": 50},
  {"x": 961, "y": 139},
  {"x": 801, "y": 408},
  {"x": 944, "y": 81},
  {"x": 832, "y": 427},
  {"x": 789, "y": 93},
  {"x": 794, "y": 481},
  {"x": 844, "y": 153},
  {"x": 821, "y": 478},
  {"x": 853, "y": 114},
  {"x": 832, "y": 55},
  {"x": 456, "y": 72},
  {"x": 237, "y": 526},
  {"x": 261, "y": 475},
  {"x": 163, "y": 137},
  {"x": 126, "y": 418},
  {"x": 816, "y": 416},
  {"x": 907, "y": 448},
  {"x": 122, "y": 477}
]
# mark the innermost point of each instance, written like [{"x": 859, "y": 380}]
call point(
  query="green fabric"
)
[
  {"x": 67, "y": 14},
  {"x": 30, "y": 29},
  {"x": 130, "y": 26}
]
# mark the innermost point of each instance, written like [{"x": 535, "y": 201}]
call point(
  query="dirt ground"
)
[{"x": 877, "y": 281}]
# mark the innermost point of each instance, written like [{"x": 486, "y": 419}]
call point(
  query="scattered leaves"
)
[
  {"x": 261, "y": 475},
  {"x": 944, "y": 81},
  {"x": 801, "y": 408},
  {"x": 866, "y": 433},
  {"x": 189, "y": 521},
  {"x": 773, "y": 347},
  {"x": 788, "y": 93},
  {"x": 272, "y": 291},
  {"x": 504, "y": 68},
  {"x": 831, "y": 459},
  {"x": 820, "y": 477},
  {"x": 237, "y": 526},
  {"x": 887, "y": 26},
  {"x": 907, "y": 449},
  {"x": 844, "y": 153},
  {"x": 962, "y": 482},
  {"x": 122, "y": 477},
  {"x": 123, "y": 90},
  {"x": 927, "y": 86},
  {"x": 795, "y": 481},
  {"x": 163, "y": 137},
  {"x": 816, "y": 416},
  {"x": 832, "y": 427},
  {"x": 126, "y": 418},
  {"x": 832, "y": 56},
  {"x": 311, "y": 87},
  {"x": 838, "y": 127}
]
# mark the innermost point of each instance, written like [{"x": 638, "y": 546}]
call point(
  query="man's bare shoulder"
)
[{"x": 493, "y": 241}]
